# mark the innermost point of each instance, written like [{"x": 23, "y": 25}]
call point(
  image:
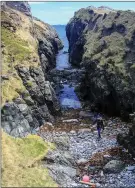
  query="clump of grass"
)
[
  {"x": 20, "y": 162},
  {"x": 11, "y": 87}
]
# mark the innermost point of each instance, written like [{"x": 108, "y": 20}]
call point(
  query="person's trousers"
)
[{"x": 99, "y": 130}]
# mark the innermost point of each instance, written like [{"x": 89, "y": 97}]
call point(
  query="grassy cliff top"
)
[{"x": 20, "y": 162}]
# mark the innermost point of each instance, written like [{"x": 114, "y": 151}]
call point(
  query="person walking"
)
[{"x": 100, "y": 125}]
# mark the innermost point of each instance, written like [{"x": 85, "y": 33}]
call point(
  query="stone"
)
[
  {"x": 81, "y": 161},
  {"x": 84, "y": 114},
  {"x": 6, "y": 126},
  {"x": 29, "y": 118},
  {"x": 48, "y": 123},
  {"x": 107, "y": 156},
  {"x": 130, "y": 168},
  {"x": 70, "y": 121},
  {"x": 98, "y": 185},
  {"x": 113, "y": 166},
  {"x": 73, "y": 132},
  {"x": 29, "y": 101},
  {"x": 24, "y": 123},
  {"x": 59, "y": 157},
  {"x": 23, "y": 108},
  {"x": 15, "y": 132},
  {"x": 82, "y": 131},
  {"x": 13, "y": 124},
  {"x": 5, "y": 77}
]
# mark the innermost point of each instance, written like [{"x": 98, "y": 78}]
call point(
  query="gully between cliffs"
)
[
  {"x": 78, "y": 151},
  {"x": 65, "y": 76}
]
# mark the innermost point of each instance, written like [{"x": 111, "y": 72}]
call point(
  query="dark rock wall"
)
[
  {"x": 104, "y": 43},
  {"x": 38, "y": 103},
  {"x": 128, "y": 140}
]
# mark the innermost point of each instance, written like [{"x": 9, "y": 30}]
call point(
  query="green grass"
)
[
  {"x": 16, "y": 52},
  {"x": 11, "y": 89},
  {"x": 21, "y": 162},
  {"x": 16, "y": 47}
]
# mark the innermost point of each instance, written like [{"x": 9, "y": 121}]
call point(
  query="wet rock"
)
[{"x": 113, "y": 166}]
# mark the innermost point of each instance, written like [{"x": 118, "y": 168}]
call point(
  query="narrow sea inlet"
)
[{"x": 67, "y": 95}]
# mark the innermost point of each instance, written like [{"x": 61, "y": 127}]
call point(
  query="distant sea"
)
[{"x": 61, "y": 30}]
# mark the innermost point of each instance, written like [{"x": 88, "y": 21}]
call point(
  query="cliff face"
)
[
  {"x": 128, "y": 140},
  {"x": 29, "y": 47},
  {"x": 103, "y": 42}
]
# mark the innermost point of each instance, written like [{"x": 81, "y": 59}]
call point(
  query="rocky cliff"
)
[
  {"x": 102, "y": 41},
  {"x": 29, "y": 47},
  {"x": 128, "y": 139}
]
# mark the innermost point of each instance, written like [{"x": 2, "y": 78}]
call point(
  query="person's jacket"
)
[{"x": 100, "y": 124}]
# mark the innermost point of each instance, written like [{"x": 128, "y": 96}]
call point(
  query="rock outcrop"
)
[
  {"x": 103, "y": 42},
  {"x": 29, "y": 47},
  {"x": 20, "y": 6},
  {"x": 128, "y": 140}
]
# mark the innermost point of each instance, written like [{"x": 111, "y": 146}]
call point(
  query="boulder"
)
[
  {"x": 60, "y": 157},
  {"x": 113, "y": 166}
]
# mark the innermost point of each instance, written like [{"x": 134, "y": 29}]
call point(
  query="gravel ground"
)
[{"x": 83, "y": 144}]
